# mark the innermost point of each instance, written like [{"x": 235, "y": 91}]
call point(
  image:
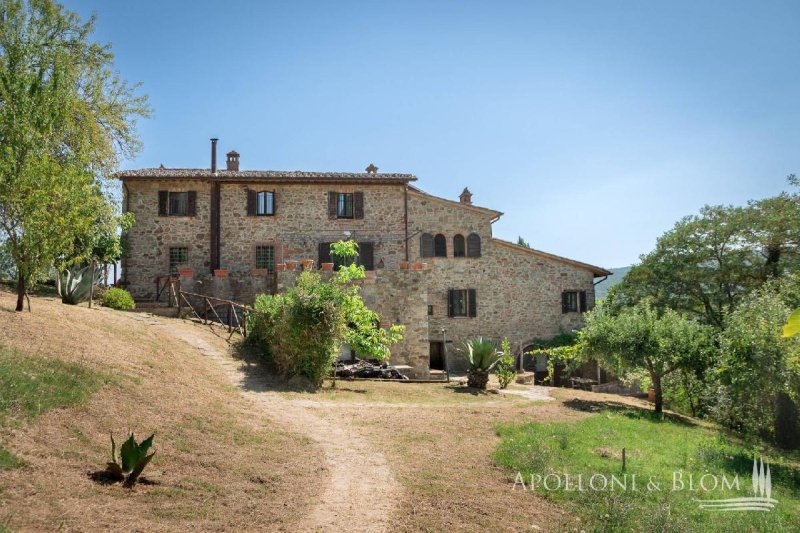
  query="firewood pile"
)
[{"x": 366, "y": 369}]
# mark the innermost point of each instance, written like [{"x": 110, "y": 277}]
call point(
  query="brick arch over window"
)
[
  {"x": 473, "y": 245},
  {"x": 440, "y": 245},
  {"x": 459, "y": 246},
  {"x": 426, "y": 246}
]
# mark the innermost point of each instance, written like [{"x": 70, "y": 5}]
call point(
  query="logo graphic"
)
[{"x": 762, "y": 494}]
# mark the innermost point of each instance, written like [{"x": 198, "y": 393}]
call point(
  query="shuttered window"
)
[
  {"x": 473, "y": 245},
  {"x": 573, "y": 301},
  {"x": 459, "y": 246},
  {"x": 440, "y": 246},
  {"x": 366, "y": 255},
  {"x": 177, "y": 204},
  {"x": 426, "y": 245},
  {"x": 462, "y": 303},
  {"x": 346, "y": 205},
  {"x": 260, "y": 203}
]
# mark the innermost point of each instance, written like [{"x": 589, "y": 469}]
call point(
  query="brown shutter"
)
[
  {"x": 252, "y": 202},
  {"x": 366, "y": 255},
  {"x": 564, "y": 302},
  {"x": 473, "y": 245},
  {"x": 274, "y": 203},
  {"x": 450, "y": 298},
  {"x": 358, "y": 204},
  {"x": 332, "y": 197},
  {"x": 472, "y": 303},
  {"x": 163, "y": 198},
  {"x": 191, "y": 203},
  {"x": 440, "y": 245},
  {"x": 582, "y": 302},
  {"x": 324, "y": 253},
  {"x": 426, "y": 247}
]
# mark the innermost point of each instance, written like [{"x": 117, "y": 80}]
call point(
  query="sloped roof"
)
[
  {"x": 493, "y": 213},
  {"x": 596, "y": 270},
  {"x": 266, "y": 175}
]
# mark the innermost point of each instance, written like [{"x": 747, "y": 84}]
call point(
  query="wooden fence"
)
[{"x": 206, "y": 309}]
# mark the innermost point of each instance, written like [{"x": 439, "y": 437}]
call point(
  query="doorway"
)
[{"x": 437, "y": 355}]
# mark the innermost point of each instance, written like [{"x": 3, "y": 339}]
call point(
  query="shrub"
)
[
  {"x": 505, "y": 365},
  {"x": 117, "y": 298},
  {"x": 481, "y": 355},
  {"x": 129, "y": 461}
]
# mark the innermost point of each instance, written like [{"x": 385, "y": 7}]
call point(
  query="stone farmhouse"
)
[{"x": 432, "y": 263}]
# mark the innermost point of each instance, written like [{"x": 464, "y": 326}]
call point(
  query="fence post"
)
[
  {"x": 205, "y": 310},
  {"x": 180, "y": 305},
  {"x": 230, "y": 318}
]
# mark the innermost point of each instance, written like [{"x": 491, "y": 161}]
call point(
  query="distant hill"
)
[{"x": 601, "y": 289}]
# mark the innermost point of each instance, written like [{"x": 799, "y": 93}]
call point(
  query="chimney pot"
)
[
  {"x": 214, "y": 155},
  {"x": 371, "y": 169},
  {"x": 233, "y": 161},
  {"x": 466, "y": 197}
]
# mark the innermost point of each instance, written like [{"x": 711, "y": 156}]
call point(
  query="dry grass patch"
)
[{"x": 219, "y": 462}]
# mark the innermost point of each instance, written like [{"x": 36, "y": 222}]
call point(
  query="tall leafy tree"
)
[{"x": 66, "y": 120}]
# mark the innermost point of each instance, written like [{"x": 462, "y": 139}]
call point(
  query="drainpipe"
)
[
  {"x": 405, "y": 214},
  {"x": 125, "y": 208}
]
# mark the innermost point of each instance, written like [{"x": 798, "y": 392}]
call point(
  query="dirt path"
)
[{"x": 361, "y": 491}]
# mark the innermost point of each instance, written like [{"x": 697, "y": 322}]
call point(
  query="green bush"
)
[
  {"x": 505, "y": 365},
  {"x": 116, "y": 298}
]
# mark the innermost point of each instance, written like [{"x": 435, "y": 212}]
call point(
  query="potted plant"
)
[
  {"x": 185, "y": 272},
  {"x": 308, "y": 264},
  {"x": 403, "y": 265},
  {"x": 221, "y": 272},
  {"x": 280, "y": 267},
  {"x": 327, "y": 266},
  {"x": 291, "y": 265},
  {"x": 418, "y": 266},
  {"x": 481, "y": 355}
]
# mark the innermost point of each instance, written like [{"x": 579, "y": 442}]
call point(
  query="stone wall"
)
[{"x": 151, "y": 236}]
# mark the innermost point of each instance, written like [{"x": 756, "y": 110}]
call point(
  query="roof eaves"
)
[{"x": 596, "y": 270}]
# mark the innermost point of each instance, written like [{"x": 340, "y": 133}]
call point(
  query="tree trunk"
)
[
  {"x": 21, "y": 288},
  {"x": 659, "y": 400}
]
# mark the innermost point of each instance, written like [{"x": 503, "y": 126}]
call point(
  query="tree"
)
[
  {"x": 523, "y": 242},
  {"x": 66, "y": 120},
  {"x": 643, "y": 338},
  {"x": 707, "y": 263}
]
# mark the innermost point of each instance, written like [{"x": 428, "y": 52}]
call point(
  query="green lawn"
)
[
  {"x": 30, "y": 385},
  {"x": 655, "y": 451}
]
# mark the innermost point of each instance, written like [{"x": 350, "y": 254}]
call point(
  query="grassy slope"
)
[
  {"x": 218, "y": 463},
  {"x": 33, "y": 385},
  {"x": 655, "y": 449}
]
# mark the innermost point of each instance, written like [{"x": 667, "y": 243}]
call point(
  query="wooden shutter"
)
[
  {"x": 564, "y": 302},
  {"x": 440, "y": 245},
  {"x": 252, "y": 202},
  {"x": 332, "y": 198},
  {"x": 450, "y": 299},
  {"x": 163, "y": 199},
  {"x": 358, "y": 204},
  {"x": 191, "y": 203},
  {"x": 366, "y": 257},
  {"x": 426, "y": 245},
  {"x": 473, "y": 245},
  {"x": 324, "y": 253},
  {"x": 582, "y": 301},
  {"x": 274, "y": 203},
  {"x": 472, "y": 303},
  {"x": 459, "y": 249}
]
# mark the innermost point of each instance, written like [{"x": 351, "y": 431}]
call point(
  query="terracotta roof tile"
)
[{"x": 280, "y": 175}]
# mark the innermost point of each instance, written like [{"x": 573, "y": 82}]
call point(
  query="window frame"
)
[
  {"x": 459, "y": 246},
  {"x": 170, "y": 195},
  {"x": 439, "y": 245},
  {"x": 465, "y": 302},
  {"x": 270, "y": 261},
  {"x": 173, "y": 268},
  {"x": 469, "y": 302},
  {"x": 342, "y": 205},
  {"x": 267, "y": 203}
]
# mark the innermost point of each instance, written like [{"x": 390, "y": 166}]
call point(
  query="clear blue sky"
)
[{"x": 592, "y": 125}]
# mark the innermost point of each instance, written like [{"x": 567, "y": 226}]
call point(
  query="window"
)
[
  {"x": 177, "y": 204},
  {"x": 344, "y": 205},
  {"x": 366, "y": 256},
  {"x": 430, "y": 310},
  {"x": 265, "y": 203},
  {"x": 177, "y": 256},
  {"x": 473, "y": 245},
  {"x": 265, "y": 258},
  {"x": 573, "y": 301},
  {"x": 440, "y": 246},
  {"x": 462, "y": 303},
  {"x": 459, "y": 247},
  {"x": 426, "y": 245}
]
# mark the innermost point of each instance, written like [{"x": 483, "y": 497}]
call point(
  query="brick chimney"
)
[
  {"x": 233, "y": 160},
  {"x": 466, "y": 197}
]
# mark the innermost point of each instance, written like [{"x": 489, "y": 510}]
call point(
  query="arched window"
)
[
  {"x": 426, "y": 247},
  {"x": 459, "y": 247},
  {"x": 440, "y": 245},
  {"x": 473, "y": 245}
]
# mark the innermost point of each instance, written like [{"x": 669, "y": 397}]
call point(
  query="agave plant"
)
[
  {"x": 481, "y": 355},
  {"x": 75, "y": 282},
  {"x": 129, "y": 461}
]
